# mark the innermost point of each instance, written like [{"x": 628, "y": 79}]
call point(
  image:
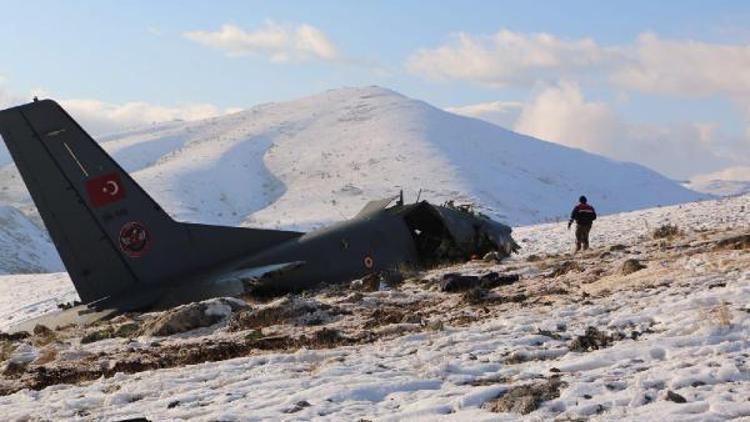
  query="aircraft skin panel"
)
[
  {"x": 123, "y": 252},
  {"x": 346, "y": 251},
  {"x": 218, "y": 248},
  {"x": 113, "y": 238},
  {"x": 94, "y": 265},
  {"x": 140, "y": 232},
  {"x": 79, "y": 316},
  {"x": 375, "y": 206}
]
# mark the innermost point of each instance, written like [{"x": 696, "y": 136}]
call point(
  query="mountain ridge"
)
[{"x": 306, "y": 163}]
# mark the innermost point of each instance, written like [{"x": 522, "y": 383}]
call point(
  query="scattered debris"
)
[
  {"x": 454, "y": 282},
  {"x": 14, "y": 336},
  {"x": 548, "y": 333},
  {"x": 68, "y": 305},
  {"x": 368, "y": 283},
  {"x": 525, "y": 399},
  {"x": 565, "y": 268},
  {"x": 337, "y": 315},
  {"x": 493, "y": 279},
  {"x": 494, "y": 256},
  {"x": 630, "y": 266},
  {"x": 298, "y": 406},
  {"x": 672, "y": 396},
  {"x": 617, "y": 247},
  {"x": 593, "y": 339},
  {"x": 474, "y": 296}
]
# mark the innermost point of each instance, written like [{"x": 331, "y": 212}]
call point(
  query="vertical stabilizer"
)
[
  {"x": 115, "y": 241},
  {"x": 110, "y": 234}
]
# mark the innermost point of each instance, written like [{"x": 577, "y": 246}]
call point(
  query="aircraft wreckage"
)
[{"x": 125, "y": 253}]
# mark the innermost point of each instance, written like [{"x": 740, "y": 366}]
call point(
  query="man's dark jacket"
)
[{"x": 583, "y": 214}]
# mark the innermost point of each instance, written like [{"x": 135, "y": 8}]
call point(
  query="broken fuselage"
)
[{"x": 382, "y": 239}]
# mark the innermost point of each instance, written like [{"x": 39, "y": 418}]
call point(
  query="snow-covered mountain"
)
[
  {"x": 312, "y": 161},
  {"x": 720, "y": 187},
  {"x": 24, "y": 247},
  {"x": 726, "y": 182}
]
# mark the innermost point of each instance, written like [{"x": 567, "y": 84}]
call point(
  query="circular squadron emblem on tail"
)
[
  {"x": 134, "y": 239},
  {"x": 369, "y": 262}
]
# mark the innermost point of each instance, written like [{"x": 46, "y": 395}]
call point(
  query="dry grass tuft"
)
[{"x": 666, "y": 231}]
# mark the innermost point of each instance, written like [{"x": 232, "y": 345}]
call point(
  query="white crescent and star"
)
[{"x": 111, "y": 188}]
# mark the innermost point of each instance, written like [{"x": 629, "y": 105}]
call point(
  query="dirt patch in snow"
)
[
  {"x": 289, "y": 309},
  {"x": 630, "y": 266},
  {"x": 741, "y": 242},
  {"x": 335, "y": 316},
  {"x": 194, "y": 315},
  {"x": 593, "y": 339},
  {"x": 525, "y": 399}
]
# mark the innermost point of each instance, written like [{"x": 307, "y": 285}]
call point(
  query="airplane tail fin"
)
[{"x": 112, "y": 236}]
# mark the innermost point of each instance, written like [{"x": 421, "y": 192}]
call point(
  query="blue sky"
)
[{"x": 139, "y": 51}]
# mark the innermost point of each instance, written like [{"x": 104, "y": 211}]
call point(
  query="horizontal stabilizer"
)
[
  {"x": 264, "y": 273},
  {"x": 79, "y": 316}
]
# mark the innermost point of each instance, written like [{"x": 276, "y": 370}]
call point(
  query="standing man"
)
[{"x": 584, "y": 215}]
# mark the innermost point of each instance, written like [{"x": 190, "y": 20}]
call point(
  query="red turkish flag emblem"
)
[{"x": 105, "y": 189}]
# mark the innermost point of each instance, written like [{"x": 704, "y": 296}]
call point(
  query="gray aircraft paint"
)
[{"x": 124, "y": 252}]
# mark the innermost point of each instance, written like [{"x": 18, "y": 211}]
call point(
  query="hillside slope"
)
[
  {"x": 308, "y": 162},
  {"x": 24, "y": 247},
  {"x": 575, "y": 337}
]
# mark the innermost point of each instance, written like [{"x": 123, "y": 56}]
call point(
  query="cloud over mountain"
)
[{"x": 280, "y": 43}]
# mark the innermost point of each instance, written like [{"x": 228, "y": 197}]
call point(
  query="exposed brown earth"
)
[{"x": 336, "y": 316}]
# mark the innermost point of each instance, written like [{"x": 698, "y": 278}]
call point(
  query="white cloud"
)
[
  {"x": 685, "y": 68},
  {"x": 280, "y": 43},
  {"x": 502, "y": 113},
  {"x": 676, "y": 67},
  {"x": 488, "y": 107},
  {"x": 99, "y": 117},
  {"x": 737, "y": 173},
  {"x": 509, "y": 58},
  {"x": 560, "y": 113}
]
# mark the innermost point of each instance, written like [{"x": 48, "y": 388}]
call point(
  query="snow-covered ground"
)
[
  {"x": 308, "y": 162},
  {"x": 679, "y": 329}
]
